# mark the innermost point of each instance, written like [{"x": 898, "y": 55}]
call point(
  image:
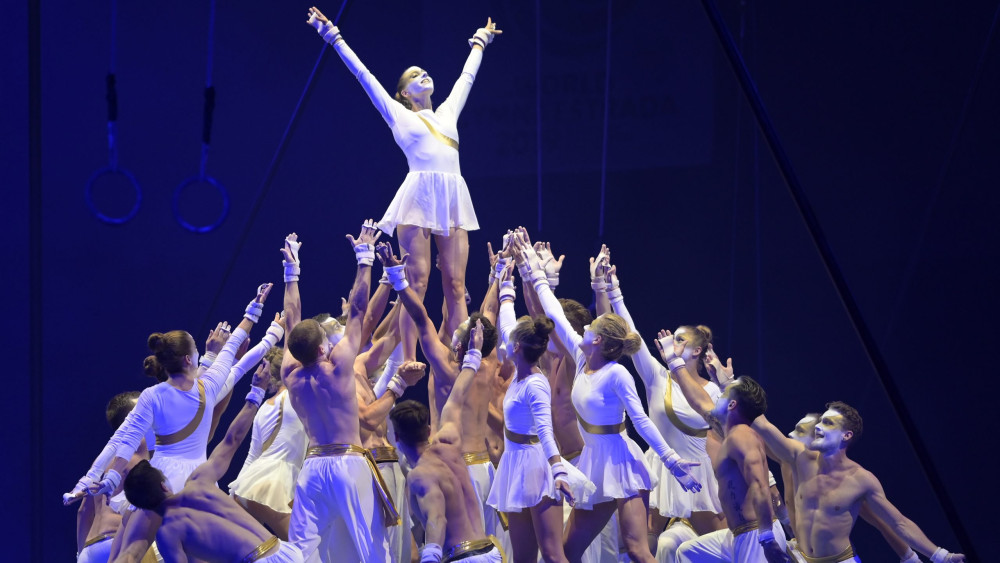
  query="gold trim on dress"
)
[
  {"x": 684, "y": 521},
  {"x": 277, "y": 427},
  {"x": 388, "y": 507},
  {"x": 191, "y": 426},
  {"x": 475, "y": 458},
  {"x": 526, "y": 439},
  {"x": 601, "y": 428},
  {"x": 570, "y": 456},
  {"x": 465, "y": 549},
  {"x": 98, "y": 539},
  {"x": 845, "y": 555},
  {"x": 668, "y": 404},
  {"x": 260, "y": 550},
  {"x": 383, "y": 454},
  {"x": 439, "y": 135}
]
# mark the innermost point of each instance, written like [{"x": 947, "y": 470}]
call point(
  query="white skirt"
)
[
  {"x": 616, "y": 466},
  {"x": 175, "y": 469},
  {"x": 268, "y": 481},
  {"x": 524, "y": 478},
  {"x": 671, "y": 500},
  {"x": 439, "y": 201}
]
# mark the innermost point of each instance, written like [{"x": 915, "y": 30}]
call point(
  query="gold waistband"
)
[
  {"x": 526, "y": 439},
  {"x": 684, "y": 521},
  {"x": 261, "y": 550},
  {"x": 746, "y": 527},
  {"x": 845, "y": 555},
  {"x": 98, "y": 539},
  {"x": 570, "y": 456},
  {"x": 601, "y": 428},
  {"x": 191, "y": 426},
  {"x": 383, "y": 454},
  {"x": 469, "y": 548},
  {"x": 473, "y": 458},
  {"x": 388, "y": 507}
]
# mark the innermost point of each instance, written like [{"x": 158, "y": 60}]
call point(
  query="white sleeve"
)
[
  {"x": 388, "y": 107},
  {"x": 248, "y": 361},
  {"x": 506, "y": 321},
  {"x": 625, "y": 389},
  {"x": 215, "y": 376},
  {"x": 540, "y": 400},
  {"x": 647, "y": 366},
  {"x": 555, "y": 312},
  {"x": 256, "y": 441},
  {"x": 135, "y": 426},
  {"x": 460, "y": 91}
]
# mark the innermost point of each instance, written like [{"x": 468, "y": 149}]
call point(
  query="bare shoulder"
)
[{"x": 743, "y": 438}]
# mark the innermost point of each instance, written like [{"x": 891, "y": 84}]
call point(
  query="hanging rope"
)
[
  {"x": 112, "y": 169},
  {"x": 206, "y": 139},
  {"x": 265, "y": 185},
  {"x": 604, "y": 137}
]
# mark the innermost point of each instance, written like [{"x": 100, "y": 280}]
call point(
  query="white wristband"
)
[
  {"x": 365, "y": 253},
  {"x": 481, "y": 38},
  {"x": 910, "y": 557},
  {"x": 256, "y": 395},
  {"x": 676, "y": 363},
  {"x": 110, "y": 482},
  {"x": 553, "y": 280},
  {"x": 329, "y": 33},
  {"x": 615, "y": 295},
  {"x": 253, "y": 311},
  {"x": 940, "y": 555},
  {"x": 397, "y": 385},
  {"x": 207, "y": 359},
  {"x": 473, "y": 358},
  {"x": 275, "y": 331},
  {"x": 384, "y": 279},
  {"x": 397, "y": 277},
  {"x": 598, "y": 285},
  {"x": 559, "y": 471},
  {"x": 507, "y": 291},
  {"x": 671, "y": 459},
  {"x": 431, "y": 553},
  {"x": 291, "y": 271}
]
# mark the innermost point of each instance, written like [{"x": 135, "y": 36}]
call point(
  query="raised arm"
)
[
  {"x": 533, "y": 273},
  {"x": 451, "y": 414},
  {"x": 694, "y": 392},
  {"x": 649, "y": 369},
  {"x": 376, "y": 308},
  {"x": 598, "y": 270},
  {"x": 387, "y": 107},
  {"x": 292, "y": 303},
  {"x": 374, "y": 414},
  {"x": 782, "y": 447},
  {"x": 455, "y": 102},
  {"x": 218, "y": 462},
  {"x": 344, "y": 353},
  {"x": 253, "y": 356}
]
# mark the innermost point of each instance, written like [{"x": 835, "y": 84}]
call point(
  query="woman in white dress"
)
[{"x": 433, "y": 200}]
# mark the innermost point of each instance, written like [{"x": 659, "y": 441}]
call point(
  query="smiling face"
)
[
  {"x": 803, "y": 431},
  {"x": 829, "y": 434},
  {"x": 415, "y": 82}
]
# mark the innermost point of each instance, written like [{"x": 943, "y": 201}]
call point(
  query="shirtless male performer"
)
[
  {"x": 446, "y": 366},
  {"x": 341, "y": 505},
  {"x": 740, "y": 465},
  {"x": 830, "y": 488},
  {"x": 201, "y": 521},
  {"x": 443, "y": 499}
]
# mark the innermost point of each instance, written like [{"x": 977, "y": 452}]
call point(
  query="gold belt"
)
[
  {"x": 845, "y": 555},
  {"x": 191, "y": 426},
  {"x": 98, "y": 539},
  {"x": 469, "y": 548},
  {"x": 570, "y": 456},
  {"x": 388, "y": 508},
  {"x": 473, "y": 458},
  {"x": 384, "y": 454},
  {"x": 526, "y": 439},
  {"x": 601, "y": 428},
  {"x": 747, "y": 527},
  {"x": 684, "y": 521},
  {"x": 261, "y": 550}
]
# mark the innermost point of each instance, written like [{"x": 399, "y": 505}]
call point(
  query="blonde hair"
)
[{"x": 617, "y": 339}]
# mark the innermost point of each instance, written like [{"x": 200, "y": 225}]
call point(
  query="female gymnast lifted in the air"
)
[{"x": 433, "y": 199}]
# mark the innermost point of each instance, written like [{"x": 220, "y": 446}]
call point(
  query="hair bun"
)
[
  {"x": 153, "y": 368},
  {"x": 544, "y": 326},
  {"x": 155, "y": 342},
  {"x": 631, "y": 344},
  {"x": 707, "y": 331}
]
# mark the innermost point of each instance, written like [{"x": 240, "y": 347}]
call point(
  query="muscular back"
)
[
  {"x": 441, "y": 468},
  {"x": 564, "y": 426},
  {"x": 740, "y": 444},
  {"x": 324, "y": 397},
  {"x": 475, "y": 406}
]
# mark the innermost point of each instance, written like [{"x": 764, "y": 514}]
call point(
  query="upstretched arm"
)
[
  {"x": 455, "y": 102},
  {"x": 253, "y": 356},
  {"x": 533, "y": 273},
  {"x": 694, "y": 392},
  {"x": 782, "y": 447},
  {"x": 345, "y": 352},
  {"x": 909, "y": 531},
  {"x": 218, "y": 463},
  {"x": 649, "y": 369},
  {"x": 451, "y": 413},
  {"x": 292, "y": 304},
  {"x": 598, "y": 269},
  {"x": 376, "y": 308}
]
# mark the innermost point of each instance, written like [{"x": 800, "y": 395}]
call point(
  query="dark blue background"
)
[{"x": 868, "y": 98}]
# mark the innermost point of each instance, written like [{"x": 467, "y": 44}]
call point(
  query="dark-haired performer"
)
[
  {"x": 200, "y": 520},
  {"x": 830, "y": 488},
  {"x": 740, "y": 466},
  {"x": 339, "y": 497}
]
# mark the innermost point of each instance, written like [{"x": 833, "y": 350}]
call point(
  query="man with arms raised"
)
[
  {"x": 443, "y": 500},
  {"x": 201, "y": 521},
  {"x": 830, "y": 489},
  {"x": 341, "y": 505},
  {"x": 740, "y": 465}
]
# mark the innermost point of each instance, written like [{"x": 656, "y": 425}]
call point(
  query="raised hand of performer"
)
[
  {"x": 723, "y": 374},
  {"x": 667, "y": 347},
  {"x": 549, "y": 262},
  {"x": 290, "y": 258},
  {"x": 322, "y": 24},
  {"x": 484, "y": 35},
  {"x": 217, "y": 338},
  {"x": 364, "y": 245}
]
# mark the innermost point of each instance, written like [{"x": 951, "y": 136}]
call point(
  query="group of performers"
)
[{"x": 521, "y": 452}]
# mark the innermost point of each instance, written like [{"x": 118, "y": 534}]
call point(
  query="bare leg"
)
[
  {"x": 522, "y": 537},
  {"x": 583, "y": 527},
  {"x": 276, "y": 521},
  {"x": 547, "y": 518},
  {"x": 631, "y": 516},
  {"x": 453, "y": 255},
  {"x": 657, "y": 523},
  {"x": 415, "y": 241}
]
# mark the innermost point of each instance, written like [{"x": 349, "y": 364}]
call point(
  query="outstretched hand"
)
[
  {"x": 597, "y": 263},
  {"x": 723, "y": 373},
  {"x": 666, "y": 346},
  {"x": 491, "y": 27},
  {"x": 263, "y": 290},
  {"x": 681, "y": 470},
  {"x": 262, "y": 376},
  {"x": 476, "y": 336},
  {"x": 290, "y": 252},
  {"x": 386, "y": 257},
  {"x": 217, "y": 338},
  {"x": 369, "y": 234}
]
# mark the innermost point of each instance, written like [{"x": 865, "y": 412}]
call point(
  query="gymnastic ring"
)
[
  {"x": 177, "y": 198},
  {"x": 89, "y": 195}
]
